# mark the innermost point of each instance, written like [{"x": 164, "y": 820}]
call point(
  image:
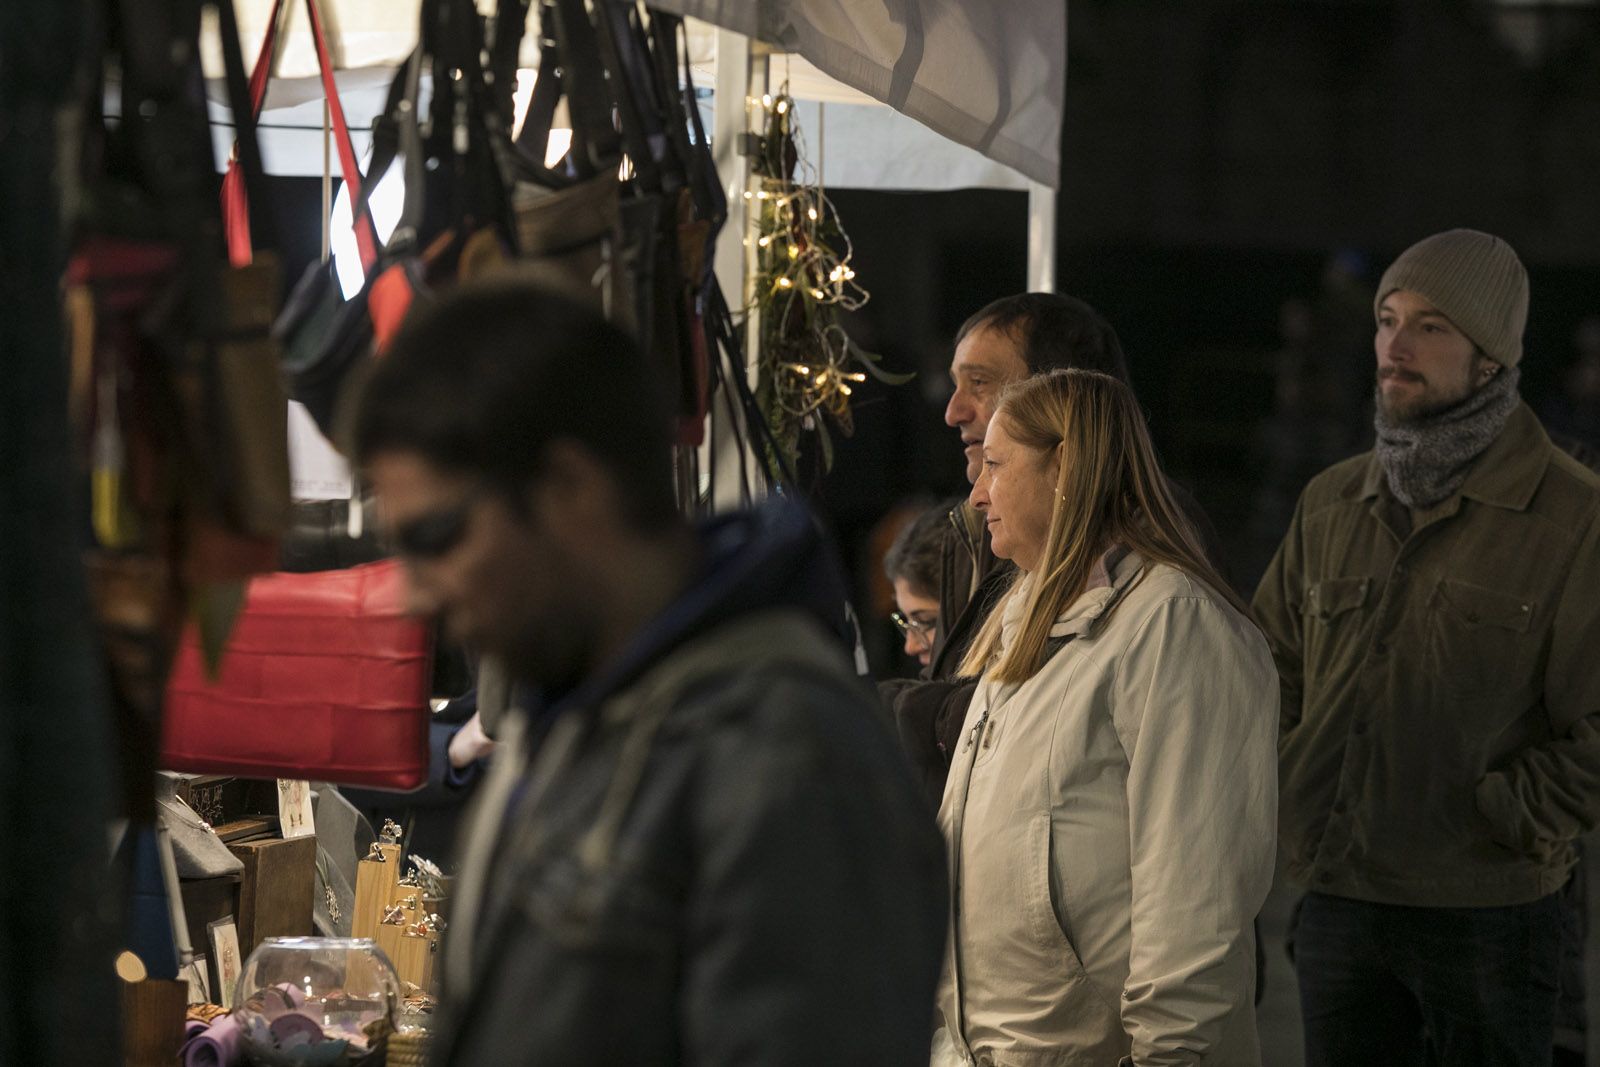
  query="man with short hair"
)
[
  {"x": 1434, "y": 617},
  {"x": 1003, "y": 342},
  {"x": 697, "y": 845}
]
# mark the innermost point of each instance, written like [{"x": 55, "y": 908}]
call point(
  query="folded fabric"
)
[{"x": 217, "y": 1046}]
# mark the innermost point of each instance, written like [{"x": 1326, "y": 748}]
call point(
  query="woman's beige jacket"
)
[{"x": 1111, "y": 831}]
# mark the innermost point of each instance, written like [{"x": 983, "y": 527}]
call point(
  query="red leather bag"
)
[{"x": 325, "y": 678}]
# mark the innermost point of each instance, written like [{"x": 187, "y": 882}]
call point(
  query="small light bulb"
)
[
  {"x": 845, "y": 389},
  {"x": 818, "y": 294},
  {"x": 783, "y": 105},
  {"x": 762, "y": 195},
  {"x": 784, "y": 283},
  {"x": 763, "y": 241},
  {"x": 811, "y": 213},
  {"x": 766, "y": 100},
  {"x": 794, "y": 252},
  {"x": 749, "y": 195}
]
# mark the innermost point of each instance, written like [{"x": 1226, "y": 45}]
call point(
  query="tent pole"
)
[
  {"x": 1041, "y": 238},
  {"x": 734, "y": 86},
  {"x": 741, "y": 74}
]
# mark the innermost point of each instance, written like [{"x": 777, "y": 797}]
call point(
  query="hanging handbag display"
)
[
  {"x": 325, "y": 677},
  {"x": 454, "y": 221},
  {"x": 175, "y": 391}
]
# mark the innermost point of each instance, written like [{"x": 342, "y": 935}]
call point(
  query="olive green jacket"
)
[{"x": 1439, "y": 740}]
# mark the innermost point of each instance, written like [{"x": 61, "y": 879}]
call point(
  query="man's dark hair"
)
[
  {"x": 482, "y": 383},
  {"x": 915, "y": 553},
  {"x": 1054, "y": 332}
]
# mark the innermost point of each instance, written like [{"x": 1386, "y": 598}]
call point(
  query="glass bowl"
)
[{"x": 315, "y": 1001}]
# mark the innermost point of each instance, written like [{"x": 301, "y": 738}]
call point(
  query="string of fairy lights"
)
[{"x": 807, "y": 365}]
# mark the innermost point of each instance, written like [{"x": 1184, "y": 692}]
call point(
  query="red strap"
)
[
  {"x": 366, "y": 236},
  {"x": 263, "y": 67},
  {"x": 235, "y": 202}
]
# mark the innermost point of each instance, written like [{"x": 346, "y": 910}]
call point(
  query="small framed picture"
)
[
  {"x": 294, "y": 808},
  {"x": 225, "y": 951},
  {"x": 198, "y": 975}
]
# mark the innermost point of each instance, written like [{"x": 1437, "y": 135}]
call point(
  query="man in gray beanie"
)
[{"x": 1435, "y": 614}]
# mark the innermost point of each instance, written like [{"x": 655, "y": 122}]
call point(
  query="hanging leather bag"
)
[{"x": 325, "y": 678}]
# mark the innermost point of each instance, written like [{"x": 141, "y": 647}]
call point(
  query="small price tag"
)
[{"x": 294, "y": 808}]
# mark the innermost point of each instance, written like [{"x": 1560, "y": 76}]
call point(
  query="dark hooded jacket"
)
[{"x": 711, "y": 853}]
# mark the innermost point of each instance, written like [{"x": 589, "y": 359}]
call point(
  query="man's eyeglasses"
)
[{"x": 911, "y": 626}]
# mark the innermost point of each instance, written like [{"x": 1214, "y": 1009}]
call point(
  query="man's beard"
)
[{"x": 1423, "y": 405}]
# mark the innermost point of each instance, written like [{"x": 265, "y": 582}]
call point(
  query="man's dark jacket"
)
[{"x": 717, "y": 856}]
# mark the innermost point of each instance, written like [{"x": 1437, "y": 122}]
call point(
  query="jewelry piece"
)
[
  {"x": 391, "y": 832},
  {"x": 191, "y": 815},
  {"x": 327, "y": 888},
  {"x": 394, "y": 915},
  {"x": 375, "y": 853}
]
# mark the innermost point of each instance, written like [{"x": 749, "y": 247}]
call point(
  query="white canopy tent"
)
[{"x": 890, "y": 94}]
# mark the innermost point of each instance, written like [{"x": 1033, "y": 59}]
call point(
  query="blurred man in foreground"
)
[{"x": 697, "y": 845}]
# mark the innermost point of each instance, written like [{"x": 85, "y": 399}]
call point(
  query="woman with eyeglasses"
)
[
  {"x": 1110, "y": 808},
  {"x": 912, "y": 567}
]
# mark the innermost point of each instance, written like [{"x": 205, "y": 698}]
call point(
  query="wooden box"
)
[
  {"x": 152, "y": 1021},
  {"x": 205, "y": 900},
  {"x": 277, "y": 889}
]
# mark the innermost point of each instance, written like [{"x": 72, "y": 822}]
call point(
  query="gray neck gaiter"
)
[{"x": 1427, "y": 460}]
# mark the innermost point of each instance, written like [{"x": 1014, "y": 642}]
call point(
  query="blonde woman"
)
[{"x": 1110, "y": 808}]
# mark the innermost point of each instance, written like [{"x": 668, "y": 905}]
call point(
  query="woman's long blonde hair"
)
[{"x": 1109, "y": 491}]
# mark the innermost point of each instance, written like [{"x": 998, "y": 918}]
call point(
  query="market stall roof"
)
[
  {"x": 974, "y": 86},
  {"x": 988, "y": 74}
]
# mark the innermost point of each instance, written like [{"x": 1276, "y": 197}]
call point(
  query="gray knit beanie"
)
[{"x": 1475, "y": 279}]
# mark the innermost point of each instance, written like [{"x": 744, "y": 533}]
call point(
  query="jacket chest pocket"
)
[
  {"x": 1481, "y": 642},
  {"x": 1333, "y": 622}
]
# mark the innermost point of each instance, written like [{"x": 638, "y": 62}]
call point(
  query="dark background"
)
[{"x": 1217, "y": 158}]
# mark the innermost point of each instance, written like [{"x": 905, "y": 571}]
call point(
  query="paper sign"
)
[
  {"x": 316, "y": 470},
  {"x": 294, "y": 808},
  {"x": 225, "y": 950}
]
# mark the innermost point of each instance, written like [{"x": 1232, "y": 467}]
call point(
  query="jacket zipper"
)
[{"x": 978, "y": 730}]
